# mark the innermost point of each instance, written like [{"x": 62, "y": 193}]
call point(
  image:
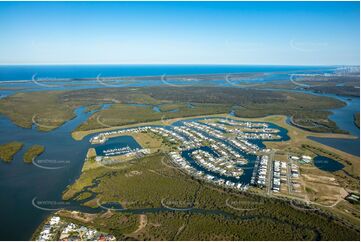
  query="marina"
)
[
  {"x": 23, "y": 182},
  {"x": 210, "y": 149},
  {"x": 180, "y": 121}
]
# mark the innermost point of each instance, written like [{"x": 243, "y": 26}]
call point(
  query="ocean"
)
[{"x": 25, "y": 72}]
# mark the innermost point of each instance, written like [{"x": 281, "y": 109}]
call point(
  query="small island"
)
[
  {"x": 8, "y": 151},
  {"x": 33, "y": 152},
  {"x": 356, "y": 119}
]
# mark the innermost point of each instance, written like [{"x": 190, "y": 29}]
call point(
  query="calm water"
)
[
  {"x": 327, "y": 164},
  {"x": 247, "y": 168},
  {"x": 20, "y": 183},
  {"x": 62, "y": 160},
  {"x": 117, "y": 142},
  {"x": 52, "y": 73},
  {"x": 344, "y": 119},
  {"x": 91, "y": 71}
]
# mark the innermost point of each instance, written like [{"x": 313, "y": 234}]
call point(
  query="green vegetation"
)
[
  {"x": 144, "y": 185},
  {"x": 116, "y": 224},
  {"x": 251, "y": 103},
  {"x": 348, "y": 177},
  {"x": 152, "y": 181},
  {"x": 344, "y": 85},
  {"x": 24, "y": 109},
  {"x": 122, "y": 114},
  {"x": 356, "y": 119},
  {"x": 92, "y": 108},
  {"x": 7, "y": 151},
  {"x": 83, "y": 196},
  {"x": 171, "y": 107},
  {"x": 33, "y": 152},
  {"x": 44, "y": 109},
  {"x": 307, "y": 112}
]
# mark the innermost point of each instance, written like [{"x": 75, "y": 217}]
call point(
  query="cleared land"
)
[
  {"x": 7, "y": 151},
  {"x": 299, "y": 144},
  {"x": 151, "y": 181},
  {"x": 325, "y": 193}
]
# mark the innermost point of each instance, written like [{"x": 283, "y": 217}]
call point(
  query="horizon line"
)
[{"x": 170, "y": 64}]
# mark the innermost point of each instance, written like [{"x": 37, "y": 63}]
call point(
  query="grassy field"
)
[
  {"x": 299, "y": 143},
  {"x": 151, "y": 141},
  {"x": 299, "y": 138},
  {"x": 151, "y": 181},
  {"x": 7, "y": 151},
  {"x": 33, "y": 152},
  {"x": 49, "y": 110}
]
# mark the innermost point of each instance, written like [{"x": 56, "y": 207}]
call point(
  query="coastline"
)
[
  {"x": 300, "y": 136},
  {"x": 79, "y": 135}
]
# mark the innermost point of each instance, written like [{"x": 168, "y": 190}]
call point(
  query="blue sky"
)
[{"x": 287, "y": 33}]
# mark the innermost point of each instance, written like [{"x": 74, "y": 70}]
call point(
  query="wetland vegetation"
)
[
  {"x": 9, "y": 150},
  {"x": 149, "y": 181},
  {"x": 33, "y": 152},
  {"x": 49, "y": 110},
  {"x": 357, "y": 119}
]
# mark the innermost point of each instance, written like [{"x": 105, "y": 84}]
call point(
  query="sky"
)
[{"x": 264, "y": 33}]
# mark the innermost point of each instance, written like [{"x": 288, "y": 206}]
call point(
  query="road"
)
[
  {"x": 270, "y": 172},
  {"x": 289, "y": 182}
]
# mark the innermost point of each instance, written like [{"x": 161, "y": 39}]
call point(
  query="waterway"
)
[
  {"x": 344, "y": 118},
  {"x": 245, "y": 178},
  {"x": 21, "y": 184}
]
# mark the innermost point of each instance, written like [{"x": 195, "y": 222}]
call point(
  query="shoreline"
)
[
  {"x": 297, "y": 135},
  {"x": 80, "y": 135}
]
